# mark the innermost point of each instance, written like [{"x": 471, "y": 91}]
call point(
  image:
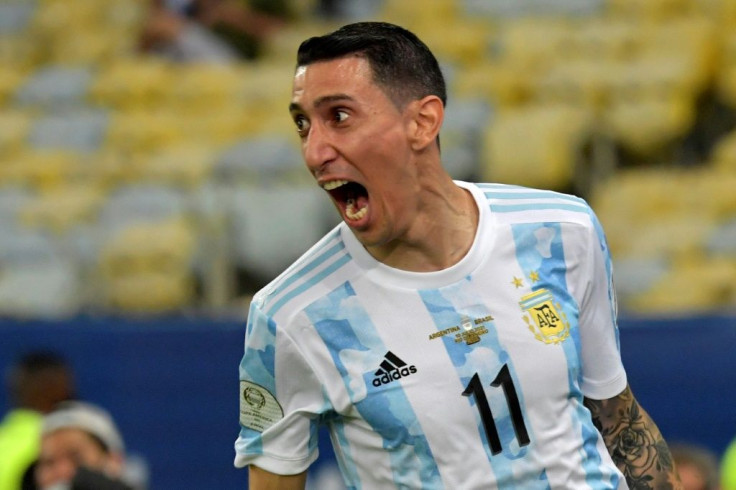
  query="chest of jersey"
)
[{"x": 480, "y": 357}]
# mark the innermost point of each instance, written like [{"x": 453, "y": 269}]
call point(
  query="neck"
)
[{"x": 441, "y": 233}]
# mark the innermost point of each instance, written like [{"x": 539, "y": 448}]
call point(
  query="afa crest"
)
[{"x": 545, "y": 318}]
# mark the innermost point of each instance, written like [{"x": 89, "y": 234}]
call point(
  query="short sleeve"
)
[
  {"x": 603, "y": 372},
  {"x": 280, "y": 400}
]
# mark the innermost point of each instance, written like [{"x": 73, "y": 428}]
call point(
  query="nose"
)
[{"x": 318, "y": 149}]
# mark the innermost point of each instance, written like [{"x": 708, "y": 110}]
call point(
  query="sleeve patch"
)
[{"x": 259, "y": 409}]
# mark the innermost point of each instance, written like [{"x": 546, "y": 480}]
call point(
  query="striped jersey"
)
[{"x": 469, "y": 377}]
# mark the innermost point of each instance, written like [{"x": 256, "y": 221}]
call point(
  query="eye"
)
[
  {"x": 302, "y": 124},
  {"x": 341, "y": 116}
]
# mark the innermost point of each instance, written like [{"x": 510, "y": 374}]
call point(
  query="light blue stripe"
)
[
  {"x": 316, "y": 262},
  {"x": 514, "y": 208},
  {"x": 552, "y": 270},
  {"x": 533, "y": 195},
  {"x": 258, "y": 366},
  {"x": 345, "y": 460},
  {"x": 356, "y": 350},
  {"x": 536, "y": 299},
  {"x": 445, "y": 313},
  {"x": 308, "y": 284},
  {"x": 502, "y": 186},
  {"x": 609, "y": 273}
]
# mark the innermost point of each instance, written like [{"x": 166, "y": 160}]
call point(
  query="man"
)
[
  {"x": 81, "y": 448},
  {"x": 450, "y": 335},
  {"x": 36, "y": 383},
  {"x": 697, "y": 466}
]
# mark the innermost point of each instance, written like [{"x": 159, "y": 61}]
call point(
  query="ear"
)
[{"x": 427, "y": 115}]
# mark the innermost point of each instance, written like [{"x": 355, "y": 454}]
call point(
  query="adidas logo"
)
[{"x": 392, "y": 368}]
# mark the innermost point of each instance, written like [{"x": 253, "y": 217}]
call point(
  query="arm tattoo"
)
[{"x": 634, "y": 441}]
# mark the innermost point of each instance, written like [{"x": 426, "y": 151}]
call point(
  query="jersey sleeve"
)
[
  {"x": 603, "y": 372},
  {"x": 280, "y": 400}
]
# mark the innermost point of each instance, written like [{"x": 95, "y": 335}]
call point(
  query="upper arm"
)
[
  {"x": 260, "y": 479},
  {"x": 603, "y": 374},
  {"x": 281, "y": 400}
]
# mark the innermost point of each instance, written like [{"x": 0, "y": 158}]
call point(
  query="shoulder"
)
[
  {"x": 512, "y": 204},
  {"x": 318, "y": 270}
]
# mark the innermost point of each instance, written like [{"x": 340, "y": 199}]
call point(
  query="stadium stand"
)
[{"x": 146, "y": 174}]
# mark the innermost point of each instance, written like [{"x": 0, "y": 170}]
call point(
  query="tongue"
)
[{"x": 360, "y": 202}]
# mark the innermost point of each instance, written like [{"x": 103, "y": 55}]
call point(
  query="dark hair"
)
[
  {"x": 30, "y": 365},
  {"x": 402, "y": 64}
]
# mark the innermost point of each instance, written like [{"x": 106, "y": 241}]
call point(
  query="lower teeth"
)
[{"x": 353, "y": 215}]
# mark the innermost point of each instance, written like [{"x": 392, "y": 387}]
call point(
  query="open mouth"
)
[{"x": 351, "y": 197}]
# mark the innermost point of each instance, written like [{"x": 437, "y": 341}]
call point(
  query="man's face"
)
[
  {"x": 355, "y": 143},
  {"x": 63, "y": 451}
]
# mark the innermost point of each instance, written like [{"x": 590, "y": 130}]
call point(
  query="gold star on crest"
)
[
  {"x": 534, "y": 276},
  {"x": 517, "y": 282}
]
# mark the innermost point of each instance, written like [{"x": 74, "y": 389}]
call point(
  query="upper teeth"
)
[{"x": 333, "y": 184}]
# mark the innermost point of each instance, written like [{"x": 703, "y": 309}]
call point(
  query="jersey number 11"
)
[{"x": 475, "y": 388}]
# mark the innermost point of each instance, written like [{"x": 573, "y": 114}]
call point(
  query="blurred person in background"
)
[
  {"x": 36, "y": 384},
  {"x": 219, "y": 31},
  {"x": 81, "y": 449},
  {"x": 697, "y": 466}
]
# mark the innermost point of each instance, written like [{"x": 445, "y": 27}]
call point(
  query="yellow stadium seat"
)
[
  {"x": 579, "y": 82},
  {"x": 503, "y": 84},
  {"x": 669, "y": 237},
  {"x": 464, "y": 42},
  {"x": 723, "y": 155},
  {"x": 185, "y": 165},
  {"x": 533, "y": 43},
  {"x": 646, "y": 126},
  {"x": 144, "y": 130},
  {"x": 205, "y": 87},
  {"x": 685, "y": 48},
  {"x": 14, "y": 128},
  {"x": 58, "y": 16},
  {"x": 131, "y": 84},
  {"x": 726, "y": 75},
  {"x": 601, "y": 38},
  {"x": 655, "y": 9},
  {"x": 694, "y": 285},
  {"x": 267, "y": 87},
  {"x": 20, "y": 51},
  {"x": 61, "y": 208},
  {"x": 709, "y": 191},
  {"x": 230, "y": 124},
  {"x": 150, "y": 293},
  {"x": 90, "y": 46},
  {"x": 534, "y": 146},
  {"x": 10, "y": 79},
  {"x": 40, "y": 169},
  {"x": 147, "y": 267},
  {"x": 436, "y": 12},
  {"x": 282, "y": 47},
  {"x": 662, "y": 212}
]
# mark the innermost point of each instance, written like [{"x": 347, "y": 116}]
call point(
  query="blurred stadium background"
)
[{"x": 135, "y": 191}]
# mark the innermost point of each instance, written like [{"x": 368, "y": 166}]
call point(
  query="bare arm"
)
[
  {"x": 260, "y": 479},
  {"x": 634, "y": 441}
]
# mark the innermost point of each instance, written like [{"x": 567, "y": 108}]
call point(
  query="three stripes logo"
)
[{"x": 392, "y": 368}]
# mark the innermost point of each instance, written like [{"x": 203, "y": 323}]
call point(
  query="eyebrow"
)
[{"x": 294, "y": 107}]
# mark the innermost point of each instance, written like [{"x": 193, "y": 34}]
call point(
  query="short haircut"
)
[
  {"x": 403, "y": 66},
  {"x": 32, "y": 364}
]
